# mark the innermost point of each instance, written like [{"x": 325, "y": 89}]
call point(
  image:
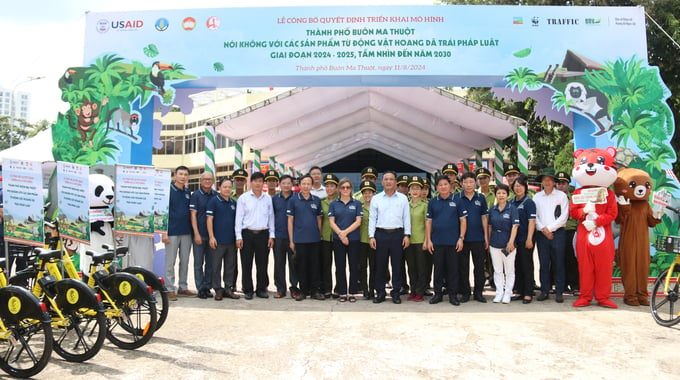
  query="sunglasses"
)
[{"x": 345, "y": 187}]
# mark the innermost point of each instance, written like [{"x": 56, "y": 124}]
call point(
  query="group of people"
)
[{"x": 401, "y": 235}]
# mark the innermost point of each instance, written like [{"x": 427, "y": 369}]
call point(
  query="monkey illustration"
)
[{"x": 88, "y": 115}]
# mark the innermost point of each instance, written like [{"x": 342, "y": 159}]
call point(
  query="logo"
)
[
  {"x": 563, "y": 21},
  {"x": 125, "y": 288},
  {"x": 478, "y": 204},
  {"x": 72, "y": 296},
  {"x": 162, "y": 24},
  {"x": 534, "y": 21},
  {"x": 189, "y": 23},
  {"x": 517, "y": 21},
  {"x": 127, "y": 25},
  {"x": 213, "y": 23},
  {"x": 102, "y": 26},
  {"x": 452, "y": 204},
  {"x": 314, "y": 207},
  {"x": 14, "y": 305},
  {"x": 624, "y": 21},
  {"x": 593, "y": 21}
]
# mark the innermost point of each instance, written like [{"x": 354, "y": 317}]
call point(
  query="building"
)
[
  {"x": 183, "y": 136},
  {"x": 22, "y": 104}
]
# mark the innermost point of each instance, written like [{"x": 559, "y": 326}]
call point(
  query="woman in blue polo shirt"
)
[
  {"x": 526, "y": 209},
  {"x": 304, "y": 232},
  {"x": 345, "y": 216},
  {"x": 503, "y": 224},
  {"x": 220, "y": 219}
]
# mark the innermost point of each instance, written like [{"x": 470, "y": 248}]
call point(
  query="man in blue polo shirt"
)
[
  {"x": 445, "y": 227},
  {"x": 179, "y": 234},
  {"x": 221, "y": 214},
  {"x": 304, "y": 232},
  {"x": 282, "y": 251},
  {"x": 476, "y": 238},
  {"x": 197, "y": 206}
]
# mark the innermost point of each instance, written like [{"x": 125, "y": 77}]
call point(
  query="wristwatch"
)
[{"x": 461, "y": 238}]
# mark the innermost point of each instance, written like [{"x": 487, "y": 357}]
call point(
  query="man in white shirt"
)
[
  {"x": 552, "y": 212},
  {"x": 254, "y": 227},
  {"x": 318, "y": 188},
  {"x": 389, "y": 232}
]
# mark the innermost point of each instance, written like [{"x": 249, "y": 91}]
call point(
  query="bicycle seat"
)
[
  {"x": 100, "y": 257},
  {"x": 47, "y": 254},
  {"x": 120, "y": 251}
]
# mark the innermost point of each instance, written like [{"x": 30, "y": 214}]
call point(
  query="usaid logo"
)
[{"x": 124, "y": 25}]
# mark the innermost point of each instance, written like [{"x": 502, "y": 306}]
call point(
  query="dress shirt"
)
[
  {"x": 320, "y": 192},
  {"x": 545, "y": 210},
  {"x": 389, "y": 212},
  {"x": 253, "y": 213}
]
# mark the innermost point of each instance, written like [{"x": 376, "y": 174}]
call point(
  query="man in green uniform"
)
[{"x": 330, "y": 182}]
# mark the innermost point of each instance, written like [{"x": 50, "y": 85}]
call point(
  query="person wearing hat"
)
[
  {"x": 366, "y": 254},
  {"x": 484, "y": 181},
  {"x": 511, "y": 173},
  {"x": 367, "y": 174},
  {"x": 451, "y": 170},
  {"x": 271, "y": 178},
  {"x": 317, "y": 186},
  {"x": 330, "y": 182},
  {"x": 240, "y": 177},
  {"x": 282, "y": 251},
  {"x": 402, "y": 184},
  {"x": 552, "y": 212},
  {"x": 414, "y": 254},
  {"x": 425, "y": 196},
  {"x": 475, "y": 239},
  {"x": 570, "y": 259}
]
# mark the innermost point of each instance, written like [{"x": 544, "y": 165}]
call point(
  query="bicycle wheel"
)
[
  {"x": 136, "y": 322},
  {"x": 663, "y": 306},
  {"x": 26, "y": 340},
  {"x": 160, "y": 292},
  {"x": 81, "y": 335}
]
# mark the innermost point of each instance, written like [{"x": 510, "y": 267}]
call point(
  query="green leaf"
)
[{"x": 522, "y": 53}]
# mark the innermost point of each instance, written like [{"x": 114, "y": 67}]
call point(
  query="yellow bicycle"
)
[
  {"x": 25, "y": 330},
  {"x": 666, "y": 290}
]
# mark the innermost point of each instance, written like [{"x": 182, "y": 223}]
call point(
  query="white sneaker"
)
[
  {"x": 498, "y": 298},
  {"x": 506, "y": 298}
]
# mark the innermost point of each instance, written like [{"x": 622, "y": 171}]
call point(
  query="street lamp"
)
[{"x": 11, "y": 107}]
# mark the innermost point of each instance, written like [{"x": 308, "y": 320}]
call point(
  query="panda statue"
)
[{"x": 101, "y": 194}]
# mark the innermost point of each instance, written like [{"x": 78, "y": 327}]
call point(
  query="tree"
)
[{"x": 20, "y": 131}]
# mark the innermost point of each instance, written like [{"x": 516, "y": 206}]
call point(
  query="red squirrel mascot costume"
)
[{"x": 595, "y": 207}]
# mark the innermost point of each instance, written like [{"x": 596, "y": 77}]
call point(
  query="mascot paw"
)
[
  {"x": 589, "y": 208},
  {"x": 657, "y": 214},
  {"x": 589, "y": 225},
  {"x": 581, "y": 302},
  {"x": 607, "y": 303},
  {"x": 622, "y": 200}
]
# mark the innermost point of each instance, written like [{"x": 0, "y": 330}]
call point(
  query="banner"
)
[
  {"x": 23, "y": 201},
  {"x": 161, "y": 205},
  {"x": 361, "y": 46},
  {"x": 134, "y": 200},
  {"x": 73, "y": 201}
]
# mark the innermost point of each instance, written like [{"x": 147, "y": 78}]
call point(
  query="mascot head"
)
[
  {"x": 101, "y": 190},
  {"x": 633, "y": 184},
  {"x": 594, "y": 167}
]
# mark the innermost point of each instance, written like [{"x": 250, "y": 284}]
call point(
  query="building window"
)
[{"x": 190, "y": 144}]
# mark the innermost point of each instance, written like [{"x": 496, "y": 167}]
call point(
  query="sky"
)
[{"x": 42, "y": 38}]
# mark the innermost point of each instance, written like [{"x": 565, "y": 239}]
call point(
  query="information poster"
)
[
  {"x": 134, "y": 200},
  {"x": 161, "y": 206},
  {"x": 23, "y": 201},
  {"x": 73, "y": 201}
]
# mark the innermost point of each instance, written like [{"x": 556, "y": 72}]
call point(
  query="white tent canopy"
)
[
  {"x": 425, "y": 127},
  {"x": 37, "y": 148}
]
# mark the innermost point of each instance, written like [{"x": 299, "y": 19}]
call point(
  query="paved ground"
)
[{"x": 285, "y": 339}]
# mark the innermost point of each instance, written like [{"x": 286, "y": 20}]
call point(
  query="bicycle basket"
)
[{"x": 669, "y": 244}]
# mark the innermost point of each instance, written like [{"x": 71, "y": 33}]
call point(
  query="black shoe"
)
[
  {"x": 368, "y": 295},
  {"x": 454, "y": 301},
  {"x": 403, "y": 291},
  {"x": 464, "y": 298},
  {"x": 559, "y": 298},
  {"x": 300, "y": 296},
  {"x": 526, "y": 301},
  {"x": 428, "y": 293},
  {"x": 480, "y": 298},
  {"x": 262, "y": 294},
  {"x": 436, "y": 299},
  {"x": 248, "y": 295},
  {"x": 202, "y": 294},
  {"x": 542, "y": 297},
  {"x": 379, "y": 299},
  {"x": 516, "y": 298},
  {"x": 396, "y": 300},
  {"x": 318, "y": 296}
]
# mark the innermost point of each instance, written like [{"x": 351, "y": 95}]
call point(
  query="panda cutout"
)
[
  {"x": 101, "y": 197},
  {"x": 592, "y": 103}
]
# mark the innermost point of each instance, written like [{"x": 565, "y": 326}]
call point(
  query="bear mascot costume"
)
[
  {"x": 101, "y": 193},
  {"x": 633, "y": 188},
  {"x": 595, "y": 207}
]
